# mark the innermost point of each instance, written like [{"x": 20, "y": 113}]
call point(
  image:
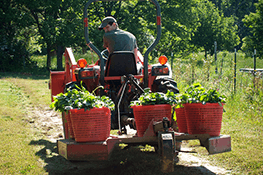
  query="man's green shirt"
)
[{"x": 119, "y": 40}]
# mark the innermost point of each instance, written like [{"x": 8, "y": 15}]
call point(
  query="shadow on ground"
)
[{"x": 130, "y": 161}]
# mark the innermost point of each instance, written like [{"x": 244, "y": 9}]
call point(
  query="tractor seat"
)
[{"x": 121, "y": 63}]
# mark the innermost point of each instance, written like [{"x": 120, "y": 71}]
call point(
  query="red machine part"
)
[
  {"x": 58, "y": 79},
  {"x": 57, "y": 82}
]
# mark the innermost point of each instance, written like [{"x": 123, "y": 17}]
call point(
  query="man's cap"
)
[{"x": 106, "y": 21}]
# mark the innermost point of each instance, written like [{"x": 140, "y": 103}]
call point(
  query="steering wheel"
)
[{"x": 105, "y": 54}]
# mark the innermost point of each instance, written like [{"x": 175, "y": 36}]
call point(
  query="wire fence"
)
[{"x": 225, "y": 71}]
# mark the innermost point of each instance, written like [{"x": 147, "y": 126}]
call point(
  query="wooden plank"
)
[
  {"x": 219, "y": 144},
  {"x": 183, "y": 136},
  {"x": 88, "y": 151}
]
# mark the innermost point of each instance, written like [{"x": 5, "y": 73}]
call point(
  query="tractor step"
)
[
  {"x": 213, "y": 145},
  {"x": 88, "y": 151},
  {"x": 92, "y": 151}
]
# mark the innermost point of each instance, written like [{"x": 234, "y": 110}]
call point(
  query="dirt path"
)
[
  {"x": 188, "y": 159},
  {"x": 49, "y": 124}
]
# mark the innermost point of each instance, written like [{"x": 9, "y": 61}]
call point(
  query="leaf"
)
[
  {"x": 80, "y": 98},
  {"x": 152, "y": 98},
  {"x": 196, "y": 93}
]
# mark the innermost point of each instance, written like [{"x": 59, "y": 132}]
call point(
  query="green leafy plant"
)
[
  {"x": 80, "y": 98},
  {"x": 197, "y": 94},
  {"x": 153, "y": 98}
]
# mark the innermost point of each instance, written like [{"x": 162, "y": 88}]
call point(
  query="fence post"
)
[
  {"x": 193, "y": 68},
  {"x": 215, "y": 57},
  {"x": 221, "y": 68},
  {"x": 235, "y": 69},
  {"x": 172, "y": 61},
  {"x": 255, "y": 67}
]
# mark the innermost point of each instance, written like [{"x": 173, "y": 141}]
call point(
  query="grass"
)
[
  {"x": 243, "y": 119},
  {"x": 244, "y": 122},
  {"x": 40, "y": 60},
  {"x": 16, "y": 155}
]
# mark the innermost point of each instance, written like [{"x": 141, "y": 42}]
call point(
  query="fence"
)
[{"x": 226, "y": 72}]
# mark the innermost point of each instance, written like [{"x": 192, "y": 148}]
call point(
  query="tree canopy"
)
[
  {"x": 254, "y": 21},
  {"x": 16, "y": 29},
  {"x": 187, "y": 26},
  {"x": 214, "y": 26}
]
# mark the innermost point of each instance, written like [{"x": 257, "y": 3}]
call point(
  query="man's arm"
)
[{"x": 105, "y": 43}]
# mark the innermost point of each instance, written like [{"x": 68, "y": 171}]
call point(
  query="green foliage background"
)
[{"x": 47, "y": 27}]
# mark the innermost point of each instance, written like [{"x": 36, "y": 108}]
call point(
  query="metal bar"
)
[
  {"x": 250, "y": 70},
  {"x": 166, "y": 151},
  {"x": 118, "y": 106},
  {"x": 138, "y": 140},
  {"x": 158, "y": 22},
  {"x": 183, "y": 136},
  {"x": 91, "y": 46},
  {"x": 135, "y": 84}
]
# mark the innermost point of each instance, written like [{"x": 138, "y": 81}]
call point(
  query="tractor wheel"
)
[{"x": 164, "y": 84}]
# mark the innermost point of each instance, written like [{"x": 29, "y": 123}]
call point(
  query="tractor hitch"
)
[{"x": 122, "y": 120}]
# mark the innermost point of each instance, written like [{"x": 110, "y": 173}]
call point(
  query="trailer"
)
[{"x": 157, "y": 77}]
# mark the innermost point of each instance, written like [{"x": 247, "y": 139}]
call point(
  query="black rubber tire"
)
[{"x": 164, "y": 84}]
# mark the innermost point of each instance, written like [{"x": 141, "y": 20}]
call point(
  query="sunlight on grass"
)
[
  {"x": 16, "y": 156},
  {"x": 36, "y": 89},
  {"x": 243, "y": 119}
]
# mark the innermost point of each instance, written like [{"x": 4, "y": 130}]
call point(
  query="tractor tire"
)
[
  {"x": 164, "y": 84},
  {"x": 72, "y": 85}
]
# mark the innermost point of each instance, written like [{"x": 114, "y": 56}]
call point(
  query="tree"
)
[
  {"x": 178, "y": 22},
  {"x": 214, "y": 27},
  {"x": 237, "y": 9},
  {"x": 14, "y": 37},
  {"x": 57, "y": 23},
  {"x": 254, "y": 21},
  {"x": 186, "y": 25}
]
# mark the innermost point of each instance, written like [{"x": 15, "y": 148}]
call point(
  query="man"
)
[{"x": 116, "y": 39}]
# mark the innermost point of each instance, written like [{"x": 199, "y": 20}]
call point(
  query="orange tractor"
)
[
  {"x": 124, "y": 80},
  {"x": 118, "y": 73}
]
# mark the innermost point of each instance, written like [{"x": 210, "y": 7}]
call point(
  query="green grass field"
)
[
  {"x": 17, "y": 155},
  {"x": 25, "y": 151},
  {"x": 243, "y": 119}
]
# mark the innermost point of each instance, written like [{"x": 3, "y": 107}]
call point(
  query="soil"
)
[{"x": 48, "y": 124}]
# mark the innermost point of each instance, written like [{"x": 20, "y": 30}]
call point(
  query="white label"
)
[{"x": 167, "y": 136}]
